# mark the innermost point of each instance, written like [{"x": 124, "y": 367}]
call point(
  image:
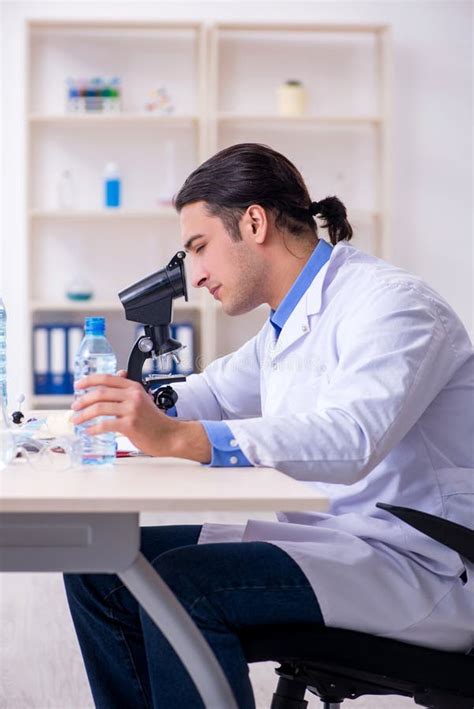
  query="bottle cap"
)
[
  {"x": 111, "y": 169},
  {"x": 95, "y": 326}
]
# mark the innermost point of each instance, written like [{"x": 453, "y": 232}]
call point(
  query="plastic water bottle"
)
[
  {"x": 95, "y": 356},
  {"x": 3, "y": 354}
]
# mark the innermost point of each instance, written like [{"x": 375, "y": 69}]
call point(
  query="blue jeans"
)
[{"x": 224, "y": 587}]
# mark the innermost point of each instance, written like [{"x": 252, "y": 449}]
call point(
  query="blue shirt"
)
[{"x": 225, "y": 449}]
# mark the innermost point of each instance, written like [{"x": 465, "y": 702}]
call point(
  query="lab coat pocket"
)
[{"x": 319, "y": 379}]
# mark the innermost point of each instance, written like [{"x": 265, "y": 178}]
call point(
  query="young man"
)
[{"x": 360, "y": 383}]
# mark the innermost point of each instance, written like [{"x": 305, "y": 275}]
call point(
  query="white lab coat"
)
[{"x": 368, "y": 395}]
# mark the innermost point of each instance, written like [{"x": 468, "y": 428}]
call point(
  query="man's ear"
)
[{"x": 254, "y": 223}]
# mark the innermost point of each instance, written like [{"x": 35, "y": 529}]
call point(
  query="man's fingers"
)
[
  {"x": 107, "y": 426},
  {"x": 100, "y": 393},
  {"x": 99, "y": 409},
  {"x": 108, "y": 380},
  {"x": 122, "y": 373}
]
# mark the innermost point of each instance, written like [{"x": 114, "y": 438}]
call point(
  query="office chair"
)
[{"x": 337, "y": 664}]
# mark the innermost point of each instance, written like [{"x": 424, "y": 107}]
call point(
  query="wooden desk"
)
[{"x": 87, "y": 520}]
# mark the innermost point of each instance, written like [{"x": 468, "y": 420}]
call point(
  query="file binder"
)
[
  {"x": 75, "y": 333},
  {"x": 54, "y": 349},
  {"x": 41, "y": 359},
  {"x": 58, "y": 359}
]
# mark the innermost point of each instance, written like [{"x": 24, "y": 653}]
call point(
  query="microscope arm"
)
[{"x": 135, "y": 363}]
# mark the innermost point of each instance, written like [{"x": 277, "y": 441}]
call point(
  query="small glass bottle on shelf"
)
[{"x": 65, "y": 190}]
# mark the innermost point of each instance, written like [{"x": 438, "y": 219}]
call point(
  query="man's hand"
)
[{"x": 137, "y": 417}]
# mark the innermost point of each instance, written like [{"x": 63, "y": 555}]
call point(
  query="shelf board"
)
[
  {"x": 49, "y": 400},
  {"x": 125, "y": 214},
  {"x": 291, "y": 120},
  {"x": 362, "y": 214},
  {"x": 289, "y": 28},
  {"x": 120, "y": 25},
  {"x": 108, "y": 119},
  {"x": 104, "y": 214},
  {"x": 92, "y": 306}
]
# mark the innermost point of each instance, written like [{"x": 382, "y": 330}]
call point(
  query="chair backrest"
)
[{"x": 452, "y": 535}]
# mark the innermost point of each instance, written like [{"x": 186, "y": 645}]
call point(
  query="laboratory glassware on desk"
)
[
  {"x": 7, "y": 440},
  {"x": 95, "y": 356}
]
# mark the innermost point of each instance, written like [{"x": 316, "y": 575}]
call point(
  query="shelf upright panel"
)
[
  {"x": 202, "y": 93},
  {"x": 385, "y": 81},
  {"x": 209, "y": 314},
  {"x": 28, "y": 315},
  {"x": 213, "y": 74}
]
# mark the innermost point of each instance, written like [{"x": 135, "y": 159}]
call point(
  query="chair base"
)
[
  {"x": 289, "y": 694},
  {"x": 333, "y": 686},
  {"x": 338, "y": 664}
]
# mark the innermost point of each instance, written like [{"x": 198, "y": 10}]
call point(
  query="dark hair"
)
[{"x": 250, "y": 173}]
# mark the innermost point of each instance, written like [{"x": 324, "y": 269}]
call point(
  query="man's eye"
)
[{"x": 199, "y": 248}]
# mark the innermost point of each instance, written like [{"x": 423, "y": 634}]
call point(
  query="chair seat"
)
[{"x": 368, "y": 658}]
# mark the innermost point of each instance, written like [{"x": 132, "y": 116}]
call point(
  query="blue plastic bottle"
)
[
  {"x": 112, "y": 196},
  {"x": 3, "y": 354},
  {"x": 95, "y": 356}
]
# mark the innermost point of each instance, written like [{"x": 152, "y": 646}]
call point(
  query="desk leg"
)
[{"x": 182, "y": 633}]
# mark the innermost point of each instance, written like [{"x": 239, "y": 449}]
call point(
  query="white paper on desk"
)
[{"x": 125, "y": 445}]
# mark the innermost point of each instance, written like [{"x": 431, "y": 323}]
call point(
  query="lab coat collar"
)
[
  {"x": 298, "y": 324},
  {"x": 316, "y": 261}
]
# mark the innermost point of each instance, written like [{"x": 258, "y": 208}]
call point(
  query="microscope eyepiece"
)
[{"x": 149, "y": 300}]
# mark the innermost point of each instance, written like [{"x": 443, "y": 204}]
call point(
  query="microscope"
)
[{"x": 149, "y": 302}]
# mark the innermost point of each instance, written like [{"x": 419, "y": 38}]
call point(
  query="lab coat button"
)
[
  {"x": 304, "y": 328},
  {"x": 233, "y": 443},
  {"x": 233, "y": 459}
]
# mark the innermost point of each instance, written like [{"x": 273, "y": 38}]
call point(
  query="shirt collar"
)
[{"x": 316, "y": 261}]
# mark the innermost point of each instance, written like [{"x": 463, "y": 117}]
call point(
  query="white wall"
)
[
  {"x": 432, "y": 139},
  {"x": 431, "y": 230}
]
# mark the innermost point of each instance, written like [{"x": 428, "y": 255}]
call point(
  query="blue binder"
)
[
  {"x": 58, "y": 359},
  {"x": 41, "y": 366},
  {"x": 54, "y": 349}
]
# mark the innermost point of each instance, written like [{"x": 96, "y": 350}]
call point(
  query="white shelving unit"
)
[
  {"x": 223, "y": 81},
  {"x": 112, "y": 248},
  {"x": 341, "y": 144}
]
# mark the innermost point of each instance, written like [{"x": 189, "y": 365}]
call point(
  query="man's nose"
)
[{"x": 198, "y": 277}]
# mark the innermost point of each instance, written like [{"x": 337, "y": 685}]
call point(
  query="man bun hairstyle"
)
[
  {"x": 250, "y": 173},
  {"x": 334, "y": 213}
]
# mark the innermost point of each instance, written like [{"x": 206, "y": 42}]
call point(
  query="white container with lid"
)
[{"x": 292, "y": 98}]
